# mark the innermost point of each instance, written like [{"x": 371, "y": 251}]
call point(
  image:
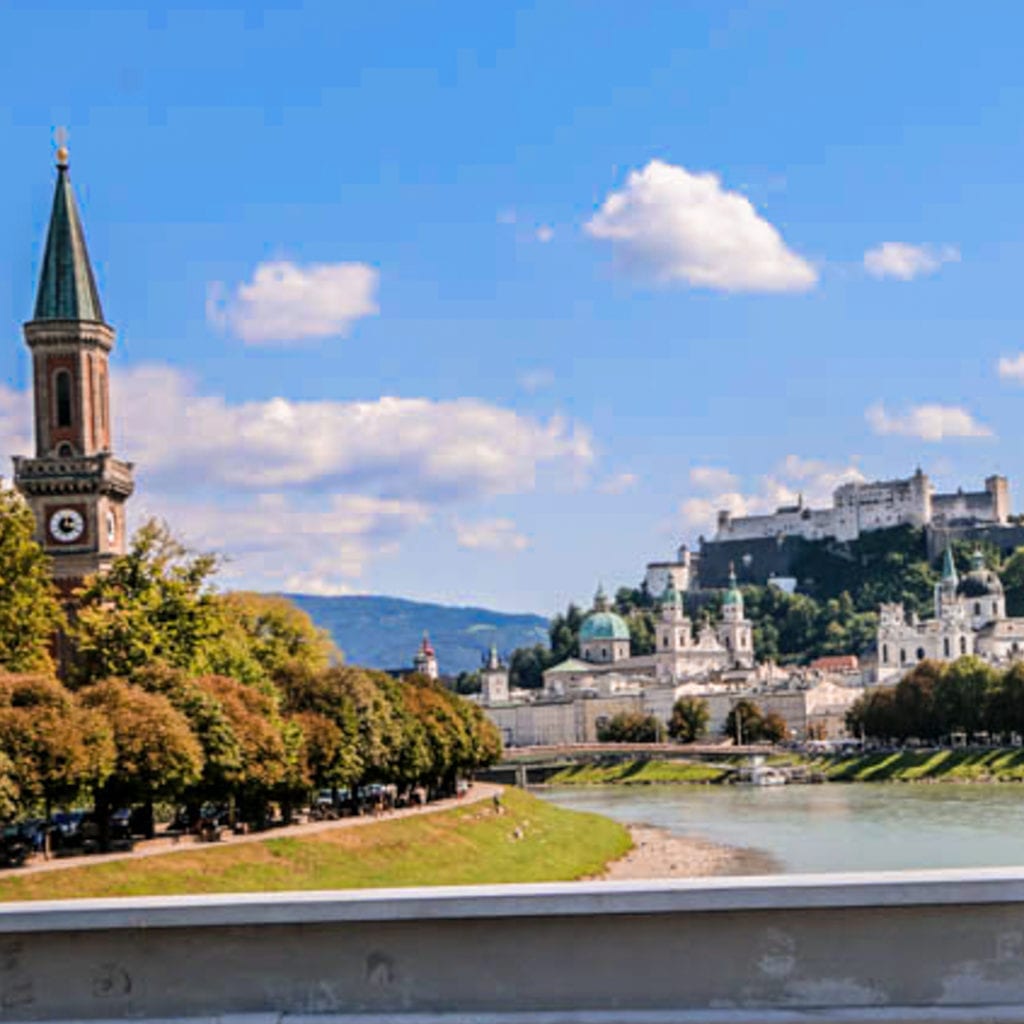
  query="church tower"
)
[
  {"x": 74, "y": 485},
  {"x": 736, "y": 631}
]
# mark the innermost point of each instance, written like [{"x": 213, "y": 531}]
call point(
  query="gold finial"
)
[{"x": 61, "y": 138}]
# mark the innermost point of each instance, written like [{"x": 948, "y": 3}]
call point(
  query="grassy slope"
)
[
  {"x": 938, "y": 765},
  {"x": 637, "y": 773},
  {"x": 1005, "y": 765},
  {"x": 463, "y": 846}
]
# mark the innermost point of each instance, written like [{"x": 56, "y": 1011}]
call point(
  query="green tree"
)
[
  {"x": 30, "y": 614},
  {"x": 155, "y": 604},
  {"x": 1012, "y": 576},
  {"x": 273, "y": 631},
  {"x": 631, "y": 727},
  {"x": 689, "y": 721},
  {"x": 962, "y": 693},
  {"x": 745, "y": 722}
]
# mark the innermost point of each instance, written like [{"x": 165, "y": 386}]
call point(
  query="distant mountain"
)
[{"x": 384, "y": 632}]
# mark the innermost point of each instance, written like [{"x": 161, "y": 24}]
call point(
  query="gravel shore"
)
[{"x": 658, "y": 853}]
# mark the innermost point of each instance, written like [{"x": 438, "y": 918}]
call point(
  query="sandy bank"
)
[{"x": 658, "y": 853}]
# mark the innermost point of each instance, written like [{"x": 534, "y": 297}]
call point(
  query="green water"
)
[{"x": 833, "y": 827}]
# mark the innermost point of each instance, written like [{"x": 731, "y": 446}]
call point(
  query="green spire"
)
[
  {"x": 733, "y": 595},
  {"x": 669, "y": 596},
  {"x": 67, "y": 288},
  {"x": 949, "y": 567}
]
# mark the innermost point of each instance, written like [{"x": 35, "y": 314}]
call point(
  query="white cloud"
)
[
  {"x": 619, "y": 483},
  {"x": 544, "y": 233},
  {"x": 304, "y": 495},
  {"x": 795, "y": 478},
  {"x": 927, "y": 422},
  {"x": 285, "y": 302},
  {"x": 490, "y": 535},
  {"x": 275, "y": 541},
  {"x": 712, "y": 478},
  {"x": 674, "y": 225},
  {"x": 536, "y": 379},
  {"x": 1012, "y": 367},
  {"x": 905, "y": 262},
  {"x": 392, "y": 447}
]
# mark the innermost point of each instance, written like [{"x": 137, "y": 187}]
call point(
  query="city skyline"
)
[{"x": 407, "y": 303}]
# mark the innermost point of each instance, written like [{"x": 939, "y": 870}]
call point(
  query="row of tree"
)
[
  {"x": 178, "y": 692},
  {"x": 746, "y": 723},
  {"x": 936, "y": 699}
]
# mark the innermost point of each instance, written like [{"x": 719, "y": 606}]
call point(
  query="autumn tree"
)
[
  {"x": 30, "y": 613},
  {"x": 155, "y": 753},
  {"x": 689, "y": 721},
  {"x": 56, "y": 748}
]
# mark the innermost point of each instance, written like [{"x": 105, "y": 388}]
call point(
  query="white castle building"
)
[
  {"x": 970, "y": 618},
  {"x": 861, "y": 507}
]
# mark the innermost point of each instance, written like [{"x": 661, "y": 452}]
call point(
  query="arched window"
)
[
  {"x": 977, "y": 607},
  {"x": 920, "y": 654},
  {"x": 903, "y": 656},
  {"x": 65, "y": 451},
  {"x": 885, "y": 652},
  {"x": 62, "y": 392},
  {"x": 995, "y": 607},
  {"x": 945, "y": 646},
  {"x": 963, "y": 645}
]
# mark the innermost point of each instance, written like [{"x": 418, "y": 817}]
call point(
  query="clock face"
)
[
  {"x": 66, "y": 525},
  {"x": 111, "y": 527}
]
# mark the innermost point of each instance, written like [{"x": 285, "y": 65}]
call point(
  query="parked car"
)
[{"x": 14, "y": 847}]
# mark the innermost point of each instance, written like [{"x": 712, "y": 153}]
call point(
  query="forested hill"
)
[{"x": 384, "y": 632}]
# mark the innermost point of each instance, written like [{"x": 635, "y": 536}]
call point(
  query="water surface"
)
[{"x": 832, "y": 827}]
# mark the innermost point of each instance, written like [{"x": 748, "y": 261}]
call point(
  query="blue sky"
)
[{"x": 483, "y": 303}]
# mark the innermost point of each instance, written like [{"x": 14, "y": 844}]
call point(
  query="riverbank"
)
[
  {"x": 658, "y": 853},
  {"x": 996, "y": 765},
  {"x": 525, "y": 839}
]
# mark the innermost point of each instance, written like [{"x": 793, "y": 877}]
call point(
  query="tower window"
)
[
  {"x": 62, "y": 389},
  {"x": 920, "y": 654},
  {"x": 963, "y": 645},
  {"x": 977, "y": 607},
  {"x": 885, "y": 652},
  {"x": 945, "y": 646}
]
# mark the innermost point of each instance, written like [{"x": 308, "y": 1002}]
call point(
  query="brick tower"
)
[{"x": 74, "y": 485}]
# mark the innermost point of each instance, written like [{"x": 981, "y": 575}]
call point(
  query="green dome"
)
[
  {"x": 604, "y": 626},
  {"x": 732, "y": 596}
]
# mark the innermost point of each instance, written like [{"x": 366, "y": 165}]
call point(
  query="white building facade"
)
[{"x": 970, "y": 618}]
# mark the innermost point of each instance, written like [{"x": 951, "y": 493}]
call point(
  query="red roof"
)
[{"x": 837, "y": 663}]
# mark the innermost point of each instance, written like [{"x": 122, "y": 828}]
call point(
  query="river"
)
[{"x": 831, "y": 827}]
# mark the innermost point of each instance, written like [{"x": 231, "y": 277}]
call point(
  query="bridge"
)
[
  {"x": 522, "y": 766},
  {"x": 901, "y": 947}
]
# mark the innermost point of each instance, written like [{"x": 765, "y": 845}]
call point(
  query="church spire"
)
[{"x": 67, "y": 288}]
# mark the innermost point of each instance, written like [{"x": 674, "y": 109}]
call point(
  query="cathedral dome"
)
[
  {"x": 980, "y": 582},
  {"x": 603, "y": 625}
]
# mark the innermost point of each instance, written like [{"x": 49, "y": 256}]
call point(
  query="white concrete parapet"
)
[{"x": 925, "y": 946}]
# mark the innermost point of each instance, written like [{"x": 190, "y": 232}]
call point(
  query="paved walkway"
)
[{"x": 182, "y": 844}]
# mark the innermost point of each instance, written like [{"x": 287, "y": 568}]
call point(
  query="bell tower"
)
[{"x": 74, "y": 485}]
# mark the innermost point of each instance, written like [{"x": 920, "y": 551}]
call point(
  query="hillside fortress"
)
[
  {"x": 877, "y": 505},
  {"x": 74, "y": 484}
]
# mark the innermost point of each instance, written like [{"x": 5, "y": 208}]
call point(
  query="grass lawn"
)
[
  {"x": 463, "y": 846},
  {"x": 637, "y": 772}
]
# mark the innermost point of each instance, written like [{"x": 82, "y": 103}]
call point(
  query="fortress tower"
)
[{"x": 74, "y": 485}]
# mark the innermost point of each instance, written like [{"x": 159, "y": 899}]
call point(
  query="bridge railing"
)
[{"x": 933, "y": 946}]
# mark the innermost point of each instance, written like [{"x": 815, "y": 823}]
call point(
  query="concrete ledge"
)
[
  {"x": 943, "y": 946},
  {"x": 771, "y": 892}
]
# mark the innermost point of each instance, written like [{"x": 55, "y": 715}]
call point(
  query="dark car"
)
[{"x": 14, "y": 847}]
